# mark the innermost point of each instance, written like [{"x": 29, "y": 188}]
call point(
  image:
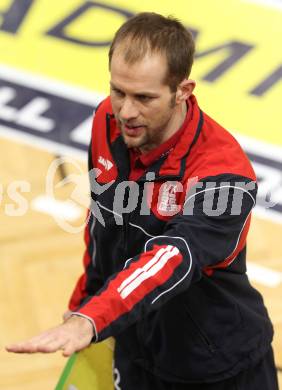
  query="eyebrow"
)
[{"x": 140, "y": 93}]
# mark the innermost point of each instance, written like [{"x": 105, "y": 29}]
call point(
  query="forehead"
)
[{"x": 146, "y": 74}]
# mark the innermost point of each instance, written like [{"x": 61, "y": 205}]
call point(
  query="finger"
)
[
  {"x": 23, "y": 347},
  {"x": 69, "y": 349},
  {"x": 74, "y": 345},
  {"x": 53, "y": 345},
  {"x": 32, "y": 345},
  {"x": 12, "y": 348}
]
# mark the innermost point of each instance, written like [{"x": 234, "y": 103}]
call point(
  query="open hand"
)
[{"x": 73, "y": 335}]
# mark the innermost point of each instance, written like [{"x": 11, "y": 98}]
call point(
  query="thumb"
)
[{"x": 68, "y": 349}]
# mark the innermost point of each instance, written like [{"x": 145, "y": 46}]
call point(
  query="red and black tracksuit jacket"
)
[{"x": 168, "y": 279}]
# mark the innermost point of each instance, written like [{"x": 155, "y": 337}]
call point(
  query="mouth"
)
[{"x": 133, "y": 130}]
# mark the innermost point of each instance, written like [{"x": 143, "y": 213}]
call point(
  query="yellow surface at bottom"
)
[{"x": 91, "y": 370}]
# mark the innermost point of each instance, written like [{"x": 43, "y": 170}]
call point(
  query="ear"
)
[{"x": 185, "y": 90}]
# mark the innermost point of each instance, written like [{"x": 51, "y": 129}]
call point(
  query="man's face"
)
[{"x": 143, "y": 105}]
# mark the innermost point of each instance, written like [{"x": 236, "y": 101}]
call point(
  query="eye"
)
[
  {"x": 118, "y": 92},
  {"x": 144, "y": 98}
]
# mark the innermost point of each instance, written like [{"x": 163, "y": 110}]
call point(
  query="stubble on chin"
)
[{"x": 132, "y": 143}]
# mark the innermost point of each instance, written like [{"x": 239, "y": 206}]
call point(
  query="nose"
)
[{"x": 128, "y": 110}]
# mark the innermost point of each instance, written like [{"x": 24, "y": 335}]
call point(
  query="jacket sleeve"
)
[{"x": 209, "y": 232}]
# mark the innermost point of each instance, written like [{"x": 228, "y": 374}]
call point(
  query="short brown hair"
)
[{"x": 151, "y": 32}]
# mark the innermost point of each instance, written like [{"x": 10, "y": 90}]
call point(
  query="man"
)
[{"x": 165, "y": 264}]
